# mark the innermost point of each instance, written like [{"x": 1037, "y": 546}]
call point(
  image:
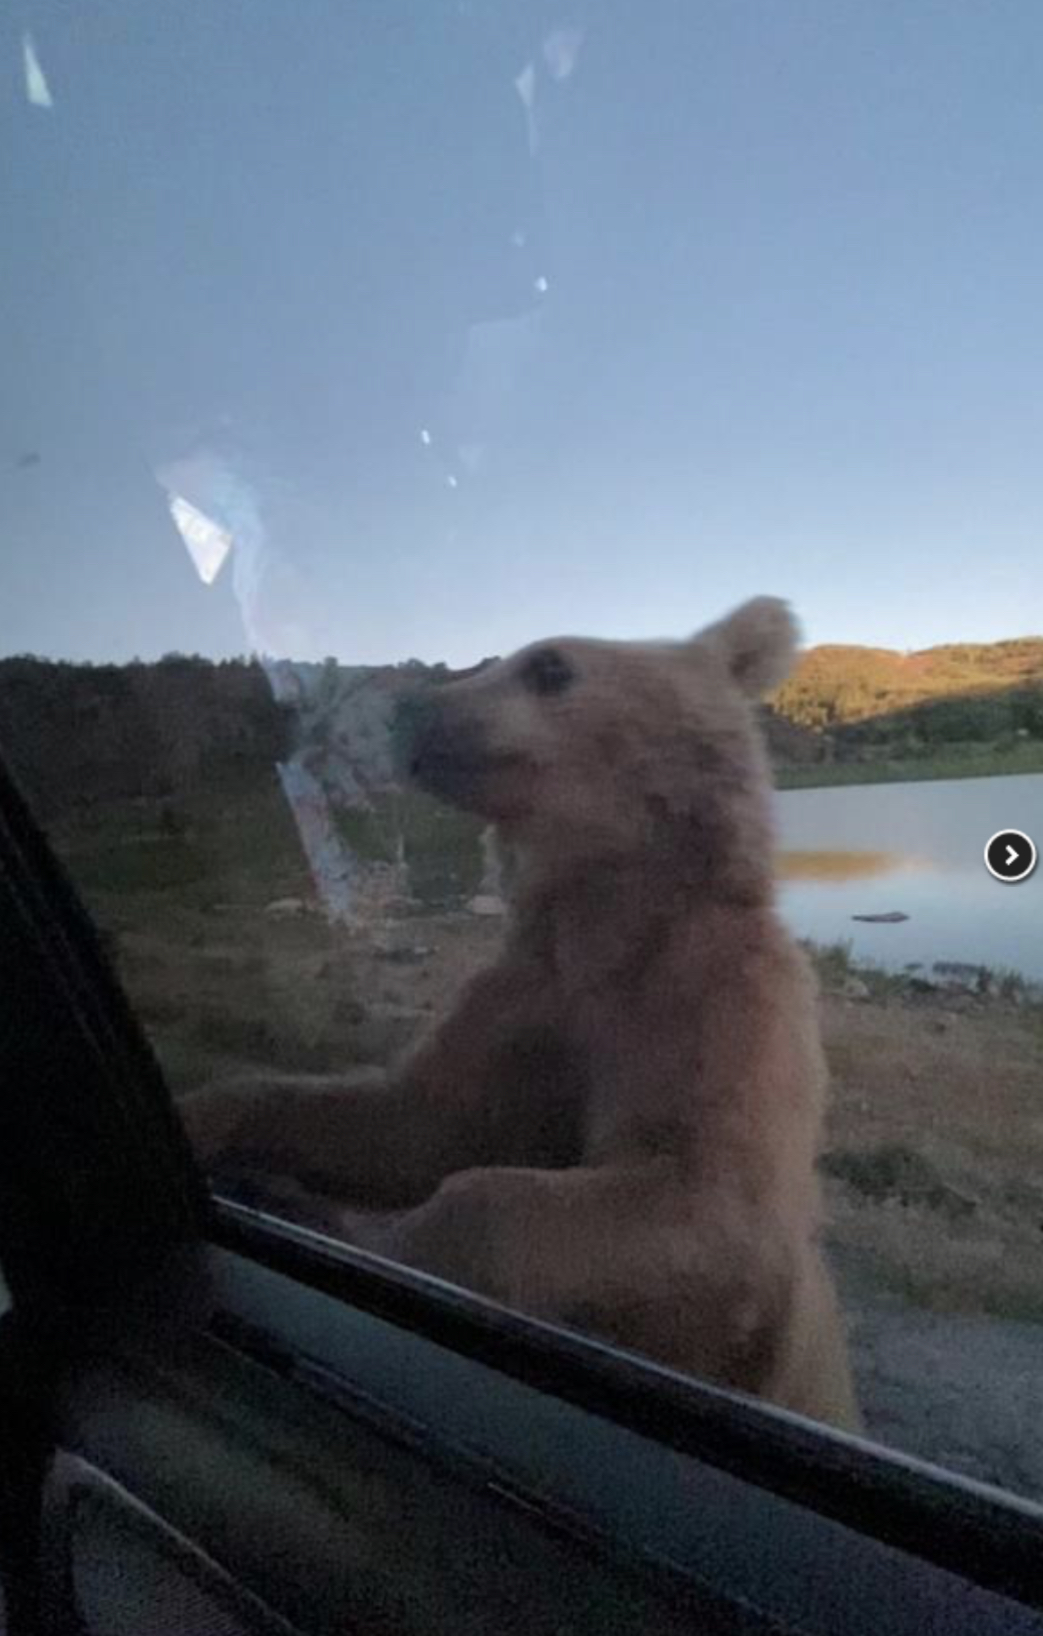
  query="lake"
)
[{"x": 918, "y": 848}]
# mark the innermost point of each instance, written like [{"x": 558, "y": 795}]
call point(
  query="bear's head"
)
[{"x": 580, "y": 750}]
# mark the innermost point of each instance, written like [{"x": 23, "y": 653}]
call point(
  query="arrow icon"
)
[{"x": 1010, "y": 855}]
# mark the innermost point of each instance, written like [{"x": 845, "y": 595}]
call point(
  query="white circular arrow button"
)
[{"x": 1010, "y": 856}]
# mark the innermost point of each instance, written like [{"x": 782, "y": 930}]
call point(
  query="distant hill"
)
[
  {"x": 834, "y": 686},
  {"x": 848, "y": 700}
]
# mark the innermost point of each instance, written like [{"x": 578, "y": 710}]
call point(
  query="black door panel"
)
[
  {"x": 114, "y": 1568},
  {"x": 327, "y": 1521},
  {"x": 353, "y": 1476}
]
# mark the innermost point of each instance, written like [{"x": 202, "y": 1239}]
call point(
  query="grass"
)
[
  {"x": 1009, "y": 984},
  {"x": 836, "y": 968},
  {"x": 442, "y": 847},
  {"x": 964, "y": 761},
  {"x": 935, "y": 1142},
  {"x": 893, "y": 1170},
  {"x": 139, "y": 863},
  {"x": 237, "y": 844},
  {"x": 976, "y": 1266}
]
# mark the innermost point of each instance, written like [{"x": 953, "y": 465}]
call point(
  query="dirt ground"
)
[{"x": 933, "y": 1158}]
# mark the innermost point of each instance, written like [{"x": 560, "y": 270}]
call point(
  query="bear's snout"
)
[{"x": 439, "y": 748}]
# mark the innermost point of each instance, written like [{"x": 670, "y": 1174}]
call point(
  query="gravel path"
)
[{"x": 963, "y": 1392}]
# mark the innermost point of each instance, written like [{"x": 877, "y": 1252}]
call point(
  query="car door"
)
[{"x": 220, "y": 1422}]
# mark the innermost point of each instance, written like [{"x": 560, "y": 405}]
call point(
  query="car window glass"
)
[{"x": 345, "y": 357}]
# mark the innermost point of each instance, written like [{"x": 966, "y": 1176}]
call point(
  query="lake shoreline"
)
[
  {"x": 1007, "y": 763},
  {"x": 842, "y": 973},
  {"x": 912, "y": 853}
]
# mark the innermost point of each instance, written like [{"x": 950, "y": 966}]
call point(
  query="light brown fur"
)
[{"x": 617, "y": 1126}]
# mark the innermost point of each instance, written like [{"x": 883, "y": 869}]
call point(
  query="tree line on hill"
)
[{"x": 77, "y": 734}]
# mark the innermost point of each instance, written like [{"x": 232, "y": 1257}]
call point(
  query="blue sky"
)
[{"x": 773, "y": 323}]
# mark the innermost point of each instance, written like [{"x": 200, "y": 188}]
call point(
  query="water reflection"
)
[
  {"x": 915, "y": 850},
  {"x": 840, "y": 866}
]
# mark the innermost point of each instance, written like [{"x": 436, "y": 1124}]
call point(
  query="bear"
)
[{"x": 616, "y": 1127}]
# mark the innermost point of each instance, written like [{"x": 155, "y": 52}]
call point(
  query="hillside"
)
[
  {"x": 80, "y": 736},
  {"x": 837, "y": 686}
]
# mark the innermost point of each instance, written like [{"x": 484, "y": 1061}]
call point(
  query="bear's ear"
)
[{"x": 759, "y": 643}]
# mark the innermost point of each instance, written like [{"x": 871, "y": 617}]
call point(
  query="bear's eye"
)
[{"x": 547, "y": 672}]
